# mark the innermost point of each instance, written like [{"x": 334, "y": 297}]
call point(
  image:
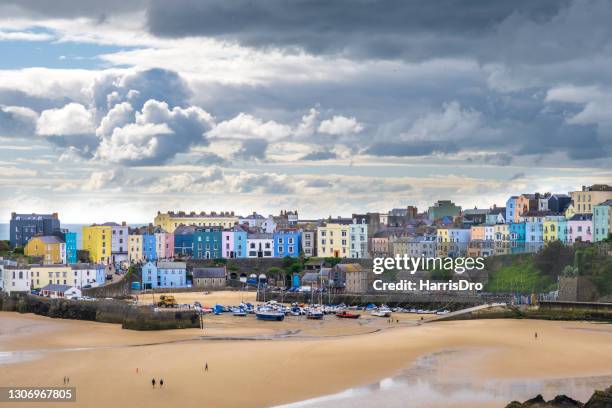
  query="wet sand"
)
[{"x": 279, "y": 363}]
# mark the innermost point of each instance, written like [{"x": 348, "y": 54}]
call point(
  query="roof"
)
[
  {"x": 171, "y": 265},
  {"x": 582, "y": 217},
  {"x": 199, "y": 273},
  {"x": 351, "y": 267},
  {"x": 56, "y": 288},
  {"x": 498, "y": 210},
  {"x": 184, "y": 230},
  {"x": 310, "y": 277},
  {"x": 260, "y": 236},
  {"x": 607, "y": 202},
  {"x": 86, "y": 266},
  {"x": 536, "y": 213},
  {"x": 49, "y": 239}
]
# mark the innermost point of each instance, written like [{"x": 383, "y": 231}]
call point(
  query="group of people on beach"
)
[{"x": 153, "y": 382}]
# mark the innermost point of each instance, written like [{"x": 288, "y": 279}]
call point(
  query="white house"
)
[
  {"x": 16, "y": 278},
  {"x": 268, "y": 225},
  {"x": 358, "y": 234},
  {"x": 60, "y": 291},
  {"x": 85, "y": 275},
  {"x": 260, "y": 246}
]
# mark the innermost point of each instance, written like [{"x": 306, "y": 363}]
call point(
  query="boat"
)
[
  {"x": 315, "y": 314},
  {"x": 382, "y": 312},
  {"x": 270, "y": 315},
  {"x": 346, "y": 315},
  {"x": 239, "y": 312},
  {"x": 295, "y": 311}
]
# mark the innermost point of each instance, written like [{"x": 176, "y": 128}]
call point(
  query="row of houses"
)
[
  {"x": 526, "y": 223},
  {"x": 15, "y": 277}
]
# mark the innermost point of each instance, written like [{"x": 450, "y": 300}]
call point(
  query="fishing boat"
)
[
  {"x": 270, "y": 315},
  {"x": 295, "y": 311},
  {"x": 315, "y": 314},
  {"x": 346, "y": 315},
  {"x": 382, "y": 311}
]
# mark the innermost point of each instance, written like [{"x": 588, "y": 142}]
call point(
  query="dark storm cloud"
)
[
  {"x": 98, "y": 10},
  {"x": 380, "y": 28}
]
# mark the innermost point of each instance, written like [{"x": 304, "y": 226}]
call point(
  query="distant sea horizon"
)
[{"x": 78, "y": 228}]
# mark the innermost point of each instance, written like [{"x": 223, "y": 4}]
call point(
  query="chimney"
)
[{"x": 123, "y": 223}]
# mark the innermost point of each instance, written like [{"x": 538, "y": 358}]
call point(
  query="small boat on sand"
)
[
  {"x": 382, "y": 312},
  {"x": 346, "y": 315},
  {"x": 270, "y": 315}
]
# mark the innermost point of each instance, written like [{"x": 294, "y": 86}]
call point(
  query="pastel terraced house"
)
[
  {"x": 602, "y": 220},
  {"x": 579, "y": 228},
  {"x": 555, "y": 229},
  {"x": 43, "y": 275},
  {"x": 50, "y": 248},
  {"x": 333, "y": 238},
  {"x": 107, "y": 243},
  {"x": 135, "y": 248}
]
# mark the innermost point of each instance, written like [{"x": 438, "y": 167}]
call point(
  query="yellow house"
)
[
  {"x": 135, "y": 248},
  {"x": 570, "y": 211},
  {"x": 590, "y": 196},
  {"x": 501, "y": 236},
  {"x": 43, "y": 275},
  {"x": 333, "y": 239},
  {"x": 97, "y": 239},
  {"x": 171, "y": 220},
  {"x": 50, "y": 248}
]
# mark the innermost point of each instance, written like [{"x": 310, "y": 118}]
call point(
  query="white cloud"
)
[
  {"x": 340, "y": 126},
  {"x": 157, "y": 134},
  {"x": 24, "y": 36},
  {"x": 245, "y": 126},
  {"x": 16, "y": 121},
  {"x": 72, "y": 119}
]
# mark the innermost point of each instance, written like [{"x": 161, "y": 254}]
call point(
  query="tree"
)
[{"x": 551, "y": 259}]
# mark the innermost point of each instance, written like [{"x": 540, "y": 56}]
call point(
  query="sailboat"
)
[{"x": 382, "y": 311}]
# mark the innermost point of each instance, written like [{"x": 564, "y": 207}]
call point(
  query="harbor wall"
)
[{"x": 104, "y": 311}]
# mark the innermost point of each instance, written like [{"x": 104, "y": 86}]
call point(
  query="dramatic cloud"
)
[{"x": 157, "y": 134}]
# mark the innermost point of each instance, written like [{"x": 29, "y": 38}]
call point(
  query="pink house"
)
[
  {"x": 580, "y": 228},
  {"x": 227, "y": 245},
  {"x": 165, "y": 245}
]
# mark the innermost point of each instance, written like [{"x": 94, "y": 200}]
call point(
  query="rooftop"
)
[{"x": 199, "y": 273}]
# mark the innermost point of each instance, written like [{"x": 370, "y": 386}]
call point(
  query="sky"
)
[{"x": 114, "y": 110}]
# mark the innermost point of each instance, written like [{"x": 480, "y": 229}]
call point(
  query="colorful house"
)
[
  {"x": 517, "y": 232},
  {"x": 97, "y": 239},
  {"x": 164, "y": 274},
  {"x": 501, "y": 236},
  {"x": 260, "y": 245},
  {"x": 135, "y": 248},
  {"x": 165, "y": 244},
  {"x": 555, "y": 228},
  {"x": 586, "y": 199},
  {"x": 240, "y": 243},
  {"x": 443, "y": 208},
  {"x": 149, "y": 247},
  {"x": 43, "y": 275},
  {"x": 16, "y": 278},
  {"x": 50, "y": 248},
  {"x": 358, "y": 238},
  {"x": 602, "y": 220},
  {"x": 87, "y": 275},
  {"x": 287, "y": 242},
  {"x": 511, "y": 213},
  {"x": 207, "y": 243},
  {"x": 183, "y": 240},
  {"x": 70, "y": 239},
  {"x": 333, "y": 238},
  {"x": 579, "y": 228}
]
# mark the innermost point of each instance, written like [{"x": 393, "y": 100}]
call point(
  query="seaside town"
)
[{"x": 53, "y": 265}]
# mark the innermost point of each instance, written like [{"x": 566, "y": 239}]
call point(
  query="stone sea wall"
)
[{"x": 104, "y": 311}]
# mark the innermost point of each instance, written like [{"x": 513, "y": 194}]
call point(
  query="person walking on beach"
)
[
  {"x": 206, "y": 366},
  {"x": 64, "y": 380},
  {"x": 536, "y": 335},
  {"x": 153, "y": 382},
  {"x": 161, "y": 383}
]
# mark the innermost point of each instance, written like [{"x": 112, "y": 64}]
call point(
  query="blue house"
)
[
  {"x": 149, "y": 247},
  {"x": 207, "y": 243},
  {"x": 511, "y": 209},
  {"x": 164, "y": 274},
  {"x": 287, "y": 242},
  {"x": 183, "y": 240},
  {"x": 70, "y": 239},
  {"x": 240, "y": 243},
  {"x": 517, "y": 232}
]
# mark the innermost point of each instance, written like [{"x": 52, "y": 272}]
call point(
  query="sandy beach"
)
[{"x": 260, "y": 364}]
